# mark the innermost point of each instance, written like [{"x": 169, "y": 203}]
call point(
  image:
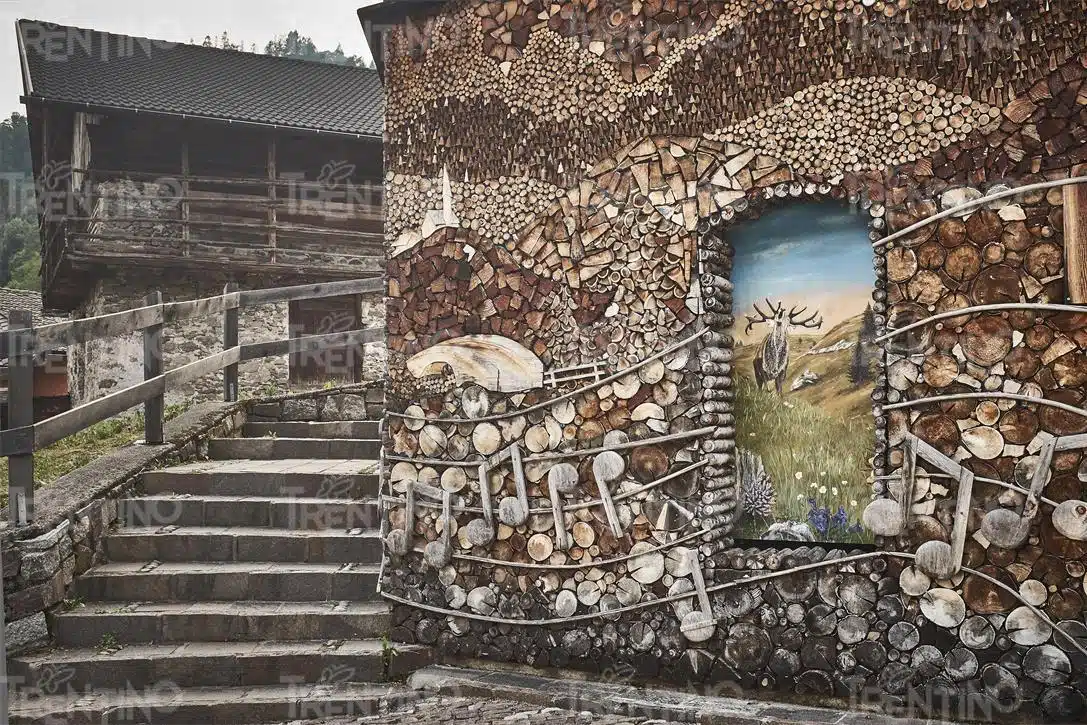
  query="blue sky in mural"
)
[{"x": 800, "y": 252}]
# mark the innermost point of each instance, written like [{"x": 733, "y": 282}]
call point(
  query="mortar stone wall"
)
[{"x": 101, "y": 367}]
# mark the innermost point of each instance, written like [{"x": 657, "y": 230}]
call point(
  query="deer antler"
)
[
  {"x": 762, "y": 316},
  {"x": 814, "y": 322}
]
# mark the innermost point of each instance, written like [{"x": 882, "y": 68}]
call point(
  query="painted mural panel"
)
[{"x": 805, "y": 371}]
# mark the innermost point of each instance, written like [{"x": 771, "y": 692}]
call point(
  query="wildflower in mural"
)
[
  {"x": 756, "y": 486},
  {"x": 803, "y": 281}
]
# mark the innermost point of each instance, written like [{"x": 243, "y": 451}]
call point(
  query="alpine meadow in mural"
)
[{"x": 804, "y": 368}]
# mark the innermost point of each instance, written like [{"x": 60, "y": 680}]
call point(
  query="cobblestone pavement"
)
[{"x": 440, "y": 710}]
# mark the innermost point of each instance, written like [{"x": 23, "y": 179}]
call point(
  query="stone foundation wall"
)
[
  {"x": 101, "y": 367},
  {"x": 356, "y": 402}
]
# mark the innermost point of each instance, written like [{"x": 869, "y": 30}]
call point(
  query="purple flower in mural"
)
[{"x": 818, "y": 517}]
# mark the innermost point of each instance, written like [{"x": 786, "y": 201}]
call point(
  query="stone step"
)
[
  {"x": 301, "y": 478},
  {"x": 311, "y": 514},
  {"x": 242, "y": 543},
  {"x": 276, "y": 449},
  {"x": 227, "y": 581},
  {"x": 218, "y": 664},
  {"x": 297, "y": 429},
  {"x": 170, "y": 622},
  {"x": 234, "y": 705}
]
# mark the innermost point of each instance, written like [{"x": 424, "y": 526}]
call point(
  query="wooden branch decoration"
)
[
  {"x": 561, "y": 479},
  {"x": 514, "y": 511},
  {"x": 1008, "y": 529},
  {"x": 939, "y": 559},
  {"x": 699, "y": 625},
  {"x": 608, "y": 467},
  {"x": 480, "y": 532},
  {"x": 399, "y": 540},
  {"x": 1075, "y": 242},
  {"x": 439, "y": 553}
]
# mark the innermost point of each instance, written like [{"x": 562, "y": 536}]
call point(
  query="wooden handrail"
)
[
  {"x": 74, "y": 332},
  {"x": 23, "y": 343},
  {"x": 26, "y": 439}
]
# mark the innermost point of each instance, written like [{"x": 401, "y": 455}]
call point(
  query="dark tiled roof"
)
[
  {"x": 106, "y": 70},
  {"x": 21, "y": 299}
]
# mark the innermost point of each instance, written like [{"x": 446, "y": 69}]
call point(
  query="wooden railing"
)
[{"x": 23, "y": 343}]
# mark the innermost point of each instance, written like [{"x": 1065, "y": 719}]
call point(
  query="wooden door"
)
[{"x": 321, "y": 317}]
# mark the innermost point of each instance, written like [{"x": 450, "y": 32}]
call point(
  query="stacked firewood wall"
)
[{"x": 563, "y": 182}]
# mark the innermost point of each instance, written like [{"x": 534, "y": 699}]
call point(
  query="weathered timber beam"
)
[
  {"x": 279, "y": 227},
  {"x": 89, "y": 242},
  {"x": 61, "y": 426},
  {"x": 312, "y": 291},
  {"x": 203, "y": 307},
  {"x": 74, "y": 332},
  {"x": 1075, "y": 242},
  {"x": 303, "y": 264},
  {"x": 375, "y": 185},
  {"x": 309, "y": 343}
]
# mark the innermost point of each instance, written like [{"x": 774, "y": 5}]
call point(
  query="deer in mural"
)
[{"x": 772, "y": 359}]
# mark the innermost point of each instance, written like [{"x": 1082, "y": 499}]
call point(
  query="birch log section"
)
[
  {"x": 1009, "y": 530},
  {"x": 439, "y": 553},
  {"x": 608, "y": 467},
  {"x": 1075, "y": 242},
  {"x": 399, "y": 540}
]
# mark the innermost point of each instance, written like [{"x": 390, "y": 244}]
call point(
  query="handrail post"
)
[
  {"x": 154, "y": 409},
  {"x": 230, "y": 340},
  {"x": 20, "y": 414}
]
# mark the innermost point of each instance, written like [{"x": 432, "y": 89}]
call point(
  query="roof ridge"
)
[
  {"x": 210, "y": 48},
  {"x": 197, "y": 81}
]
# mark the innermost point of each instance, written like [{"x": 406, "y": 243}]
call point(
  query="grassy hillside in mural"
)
[
  {"x": 808, "y": 455},
  {"x": 803, "y": 281}
]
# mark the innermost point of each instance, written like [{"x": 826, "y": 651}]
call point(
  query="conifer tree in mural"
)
[{"x": 805, "y": 363}]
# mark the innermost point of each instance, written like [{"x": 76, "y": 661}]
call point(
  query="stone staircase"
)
[{"x": 241, "y": 589}]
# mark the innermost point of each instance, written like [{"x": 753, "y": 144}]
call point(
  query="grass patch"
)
[
  {"x": 808, "y": 454},
  {"x": 79, "y": 449}
]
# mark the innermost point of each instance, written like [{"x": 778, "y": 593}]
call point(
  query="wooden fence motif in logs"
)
[{"x": 23, "y": 343}]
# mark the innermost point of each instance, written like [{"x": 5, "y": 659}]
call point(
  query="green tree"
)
[
  {"x": 296, "y": 45},
  {"x": 18, "y": 227},
  {"x": 26, "y": 269},
  {"x": 224, "y": 42},
  {"x": 860, "y": 371},
  {"x": 15, "y": 145},
  {"x": 19, "y": 255}
]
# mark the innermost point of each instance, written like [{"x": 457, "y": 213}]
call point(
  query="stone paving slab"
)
[
  {"x": 286, "y": 465},
  {"x": 445, "y": 710},
  {"x": 632, "y": 703},
  {"x": 210, "y": 706}
]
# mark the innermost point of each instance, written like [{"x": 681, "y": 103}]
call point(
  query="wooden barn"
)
[{"x": 178, "y": 169}]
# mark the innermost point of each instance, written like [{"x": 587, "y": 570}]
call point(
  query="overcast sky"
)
[{"x": 328, "y": 22}]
